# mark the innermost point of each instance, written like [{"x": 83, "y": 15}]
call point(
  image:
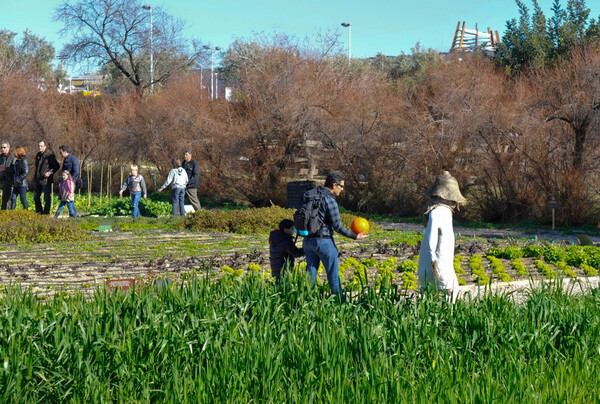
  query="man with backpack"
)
[{"x": 319, "y": 204}]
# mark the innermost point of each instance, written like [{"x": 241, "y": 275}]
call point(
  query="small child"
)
[
  {"x": 136, "y": 184},
  {"x": 66, "y": 192},
  {"x": 282, "y": 249}
]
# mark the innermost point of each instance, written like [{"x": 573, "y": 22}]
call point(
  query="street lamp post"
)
[
  {"x": 150, "y": 8},
  {"x": 349, "y": 26},
  {"x": 212, "y": 68}
]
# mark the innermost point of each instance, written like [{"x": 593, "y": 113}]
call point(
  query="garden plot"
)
[{"x": 388, "y": 257}]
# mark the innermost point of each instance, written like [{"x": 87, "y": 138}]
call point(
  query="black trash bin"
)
[{"x": 295, "y": 190}]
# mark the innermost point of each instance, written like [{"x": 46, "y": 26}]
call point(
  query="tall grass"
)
[{"x": 249, "y": 341}]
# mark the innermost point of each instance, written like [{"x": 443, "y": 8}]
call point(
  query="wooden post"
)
[
  {"x": 455, "y": 36},
  {"x": 462, "y": 36},
  {"x": 101, "y": 178},
  {"x": 89, "y": 178},
  {"x": 108, "y": 181}
]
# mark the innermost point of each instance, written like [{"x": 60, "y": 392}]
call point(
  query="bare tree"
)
[{"x": 117, "y": 33}]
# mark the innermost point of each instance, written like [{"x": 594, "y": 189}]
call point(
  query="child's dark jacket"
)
[{"x": 282, "y": 249}]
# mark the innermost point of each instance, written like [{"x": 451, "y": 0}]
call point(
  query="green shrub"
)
[
  {"x": 477, "y": 269},
  {"x": 456, "y": 263},
  {"x": 533, "y": 251},
  {"x": 545, "y": 269},
  {"x": 519, "y": 267},
  {"x": 504, "y": 277},
  {"x": 512, "y": 252},
  {"x": 408, "y": 266},
  {"x": 566, "y": 269},
  {"x": 409, "y": 281},
  {"x": 245, "y": 221},
  {"x": 589, "y": 270},
  {"x": 553, "y": 253},
  {"x": 369, "y": 262},
  {"x": 495, "y": 252},
  {"x": 593, "y": 256},
  {"x": 410, "y": 238},
  {"x": 576, "y": 255},
  {"x": 496, "y": 264},
  {"x": 20, "y": 226},
  {"x": 385, "y": 274},
  {"x": 359, "y": 279}
]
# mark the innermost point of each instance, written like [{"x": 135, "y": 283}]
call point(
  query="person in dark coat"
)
[
  {"x": 21, "y": 170},
  {"x": 282, "y": 249},
  {"x": 193, "y": 172},
  {"x": 43, "y": 178},
  {"x": 7, "y": 163},
  {"x": 70, "y": 163}
]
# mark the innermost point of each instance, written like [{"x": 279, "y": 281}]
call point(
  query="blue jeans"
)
[
  {"x": 323, "y": 250},
  {"x": 177, "y": 196},
  {"x": 135, "y": 203},
  {"x": 22, "y": 192},
  {"x": 70, "y": 206}
]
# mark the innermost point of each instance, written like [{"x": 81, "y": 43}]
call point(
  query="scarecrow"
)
[{"x": 437, "y": 248}]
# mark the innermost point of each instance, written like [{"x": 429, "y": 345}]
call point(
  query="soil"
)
[{"x": 49, "y": 268}]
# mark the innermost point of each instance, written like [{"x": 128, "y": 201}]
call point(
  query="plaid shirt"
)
[{"x": 332, "y": 221}]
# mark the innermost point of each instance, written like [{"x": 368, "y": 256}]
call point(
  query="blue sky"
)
[{"x": 387, "y": 26}]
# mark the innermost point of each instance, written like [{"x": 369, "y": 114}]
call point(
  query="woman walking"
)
[{"x": 21, "y": 168}]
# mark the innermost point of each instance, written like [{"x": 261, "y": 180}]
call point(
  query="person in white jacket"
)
[
  {"x": 437, "y": 248},
  {"x": 178, "y": 179}
]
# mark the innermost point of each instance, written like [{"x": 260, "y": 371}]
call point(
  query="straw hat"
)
[{"x": 446, "y": 187}]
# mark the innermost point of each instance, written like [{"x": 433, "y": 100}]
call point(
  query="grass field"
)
[{"x": 246, "y": 340}]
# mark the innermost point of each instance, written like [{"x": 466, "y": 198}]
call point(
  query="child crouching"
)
[{"x": 282, "y": 249}]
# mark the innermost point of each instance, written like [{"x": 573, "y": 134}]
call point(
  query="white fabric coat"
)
[{"x": 438, "y": 245}]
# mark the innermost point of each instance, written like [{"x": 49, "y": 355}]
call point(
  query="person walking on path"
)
[
  {"x": 137, "y": 186},
  {"x": 45, "y": 167},
  {"x": 7, "y": 162},
  {"x": 66, "y": 191},
  {"x": 322, "y": 248},
  {"x": 193, "y": 172},
  {"x": 21, "y": 171},
  {"x": 70, "y": 162},
  {"x": 178, "y": 179},
  {"x": 436, "y": 258}
]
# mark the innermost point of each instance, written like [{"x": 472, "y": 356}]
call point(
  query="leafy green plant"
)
[
  {"x": 410, "y": 238},
  {"x": 566, "y": 269},
  {"x": 476, "y": 268},
  {"x": 533, "y": 251},
  {"x": 519, "y": 267},
  {"x": 544, "y": 269},
  {"x": 576, "y": 255},
  {"x": 408, "y": 266},
  {"x": 589, "y": 270},
  {"x": 409, "y": 281},
  {"x": 457, "y": 267},
  {"x": 554, "y": 253}
]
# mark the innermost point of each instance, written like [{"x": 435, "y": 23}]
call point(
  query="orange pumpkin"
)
[{"x": 360, "y": 225}]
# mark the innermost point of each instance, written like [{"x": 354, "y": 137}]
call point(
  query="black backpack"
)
[{"x": 306, "y": 219}]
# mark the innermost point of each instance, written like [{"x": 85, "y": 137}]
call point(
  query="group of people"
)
[
  {"x": 14, "y": 173},
  {"x": 183, "y": 179},
  {"x": 436, "y": 258}
]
